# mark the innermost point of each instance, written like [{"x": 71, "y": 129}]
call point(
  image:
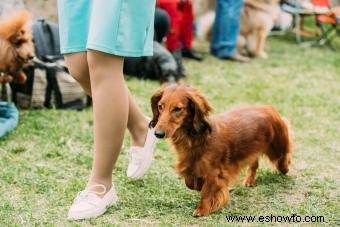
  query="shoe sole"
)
[{"x": 96, "y": 214}]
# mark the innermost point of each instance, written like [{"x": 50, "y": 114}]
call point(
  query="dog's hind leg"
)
[{"x": 250, "y": 179}]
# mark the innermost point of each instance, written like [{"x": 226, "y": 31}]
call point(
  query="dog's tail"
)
[{"x": 281, "y": 147}]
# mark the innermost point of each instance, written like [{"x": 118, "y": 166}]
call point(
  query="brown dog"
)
[
  {"x": 257, "y": 20},
  {"x": 16, "y": 46},
  {"x": 211, "y": 150}
]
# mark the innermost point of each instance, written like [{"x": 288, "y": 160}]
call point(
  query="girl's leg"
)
[
  {"x": 79, "y": 69},
  {"x": 110, "y": 111},
  {"x": 137, "y": 124}
]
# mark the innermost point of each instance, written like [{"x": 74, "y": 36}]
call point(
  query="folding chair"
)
[
  {"x": 298, "y": 12},
  {"x": 328, "y": 24}
]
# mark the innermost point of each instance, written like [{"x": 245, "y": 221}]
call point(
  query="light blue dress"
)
[{"x": 118, "y": 27}]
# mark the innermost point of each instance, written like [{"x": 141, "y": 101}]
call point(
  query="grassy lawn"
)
[{"x": 47, "y": 159}]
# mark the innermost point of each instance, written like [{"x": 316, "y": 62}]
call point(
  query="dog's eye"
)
[
  {"x": 160, "y": 107},
  {"x": 177, "y": 109},
  {"x": 18, "y": 42}
]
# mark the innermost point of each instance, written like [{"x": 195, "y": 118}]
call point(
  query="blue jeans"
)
[{"x": 226, "y": 27}]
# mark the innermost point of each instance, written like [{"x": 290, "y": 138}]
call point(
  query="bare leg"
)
[
  {"x": 110, "y": 112},
  {"x": 137, "y": 123},
  {"x": 79, "y": 69}
]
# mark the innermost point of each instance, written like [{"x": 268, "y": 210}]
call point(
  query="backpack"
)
[
  {"x": 160, "y": 66},
  {"x": 48, "y": 82}
]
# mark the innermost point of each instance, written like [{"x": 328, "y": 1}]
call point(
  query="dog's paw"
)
[
  {"x": 262, "y": 55},
  {"x": 6, "y": 79},
  {"x": 199, "y": 212},
  {"x": 249, "y": 182},
  {"x": 19, "y": 77}
]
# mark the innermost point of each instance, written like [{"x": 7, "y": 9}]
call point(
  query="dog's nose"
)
[
  {"x": 159, "y": 134},
  {"x": 30, "y": 57}
]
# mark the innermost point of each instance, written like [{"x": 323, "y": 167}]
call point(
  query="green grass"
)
[{"x": 47, "y": 159}]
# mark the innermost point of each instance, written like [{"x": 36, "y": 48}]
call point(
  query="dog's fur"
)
[
  {"x": 257, "y": 20},
  {"x": 211, "y": 150},
  {"x": 16, "y": 46}
]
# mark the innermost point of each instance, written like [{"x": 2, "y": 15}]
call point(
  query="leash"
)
[{"x": 54, "y": 65}]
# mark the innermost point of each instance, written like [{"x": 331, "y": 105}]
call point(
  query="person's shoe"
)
[
  {"x": 238, "y": 58},
  {"x": 141, "y": 157},
  {"x": 89, "y": 204},
  {"x": 191, "y": 53}
]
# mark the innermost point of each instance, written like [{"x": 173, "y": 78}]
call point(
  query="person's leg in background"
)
[
  {"x": 226, "y": 30},
  {"x": 186, "y": 31}
]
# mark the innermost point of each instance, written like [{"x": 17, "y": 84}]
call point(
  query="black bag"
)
[
  {"x": 161, "y": 66},
  {"x": 48, "y": 82}
]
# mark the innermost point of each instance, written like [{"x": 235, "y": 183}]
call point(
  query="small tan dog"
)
[
  {"x": 16, "y": 46},
  {"x": 257, "y": 20}
]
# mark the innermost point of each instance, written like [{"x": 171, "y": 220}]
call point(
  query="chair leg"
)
[
  {"x": 298, "y": 28},
  {"x": 327, "y": 36},
  {"x": 331, "y": 34}
]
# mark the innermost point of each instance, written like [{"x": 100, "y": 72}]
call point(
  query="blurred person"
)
[
  {"x": 226, "y": 30},
  {"x": 180, "y": 37}
]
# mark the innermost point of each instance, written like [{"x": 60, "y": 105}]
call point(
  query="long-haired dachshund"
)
[{"x": 211, "y": 150}]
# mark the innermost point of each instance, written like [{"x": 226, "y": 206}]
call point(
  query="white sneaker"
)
[
  {"x": 89, "y": 204},
  {"x": 141, "y": 157}
]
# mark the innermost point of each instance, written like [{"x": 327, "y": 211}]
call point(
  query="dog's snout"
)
[{"x": 159, "y": 134}]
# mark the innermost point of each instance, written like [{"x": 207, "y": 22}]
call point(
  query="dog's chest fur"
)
[
  {"x": 189, "y": 163},
  {"x": 196, "y": 159}
]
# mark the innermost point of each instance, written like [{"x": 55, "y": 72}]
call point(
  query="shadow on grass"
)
[
  {"x": 270, "y": 177},
  {"x": 170, "y": 197}
]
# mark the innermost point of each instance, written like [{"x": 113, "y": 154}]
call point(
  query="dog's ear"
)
[
  {"x": 201, "y": 110},
  {"x": 154, "y": 106}
]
